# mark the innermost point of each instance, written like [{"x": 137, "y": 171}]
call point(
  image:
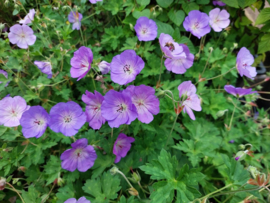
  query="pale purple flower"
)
[
  {"x": 147, "y": 104},
  {"x": 104, "y": 67},
  {"x": 81, "y": 156},
  {"x": 125, "y": 67},
  {"x": 5, "y": 74},
  {"x": 45, "y": 67},
  {"x": 22, "y": 35},
  {"x": 11, "y": 110},
  {"x": 219, "y": 3},
  {"x": 34, "y": 122},
  {"x": 28, "y": 18},
  {"x": 219, "y": 19},
  {"x": 75, "y": 18},
  {"x": 121, "y": 146},
  {"x": 190, "y": 99},
  {"x": 180, "y": 65},
  {"x": 93, "y": 113},
  {"x": 117, "y": 108},
  {"x": 170, "y": 48},
  {"x": 237, "y": 91},
  {"x": 94, "y": 1},
  {"x": 197, "y": 23},
  {"x": 81, "y": 62},
  {"x": 231, "y": 141},
  {"x": 244, "y": 61},
  {"x": 146, "y": 29},
  {"x": 81, "y": 200},
  {"x": 67, "y": 118}
]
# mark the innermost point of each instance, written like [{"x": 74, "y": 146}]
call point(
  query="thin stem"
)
[
  {"x": 259, "y": 191},
  {"x": 15, "y": 191},
  {"x": 189, "y": 35},
  {"x": 232, "y": 118},
  {"x": 94, "y": 82},
  {"x": 142, "y": 188},
  {"x": 264, "y": 99},
  {"x": 55, "y": 83},
  {"x": 221, "y": 74},
  {"x": 48, "y": 194},
  {"x": 160, "y": 69},
  {"x": 207, "y": 61},
  {"x": 235, "y": 191},
  {"x": 88, "y": 17},
  {"x": 171, "y": 130},
  {"x": 262, "y": 92},
  {"x": 82, "y": 36}
]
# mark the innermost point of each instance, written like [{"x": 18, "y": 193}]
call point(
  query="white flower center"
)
[
  {"x": 67, "y": 119},
  {"x": 121, "y": 108},
  {"x": 127, "y": 69}
]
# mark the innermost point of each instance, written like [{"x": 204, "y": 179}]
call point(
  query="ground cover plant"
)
[{"x": 133, "y": 101}]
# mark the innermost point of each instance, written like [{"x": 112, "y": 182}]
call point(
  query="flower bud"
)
[
  {"x": 160, "y": 9},
  {"x": 136, "y": 177},
  {"x": 114, "y": 170},
  {"x": 2, "y": 183},
  {"x": 2, "y": 26},
  {"x": 60, "y": 181},
  {"x": 241, "y": 155},
  {"x": 225, "y": 50},
  {"x": 221, "y": 113},
  {"x": 154, "y": 14},
  {"x": 133, "y": 191},
  {"x": 131, "y": 26},
  {"x": 197, "y": 56},
  {"x": 253, "y": 171},
  {"x": 210, "y": 49},
  {"x": 161, "y": 94},
  {"x": 241, "y": 147},
  {"x": 235, "y": 45}
]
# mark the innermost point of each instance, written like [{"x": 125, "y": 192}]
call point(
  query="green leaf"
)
[
  {"x": 137, "y": 14},
  {"x": 164, "y": 28},
  {"x": 31, "y": 196},
  {"x": 113, "y": 5},
  {"x": 202, "y": 1},
  {"x": 232, "y": 3},
  {"x": 112, "y": 36},
  {"x": 190, "y": 7},
  {"x": 103, "y": 188},
  {"x": 130, "y": 43},
  {"x": 3, "y": 129},
  {"x": 52, "y": 169},
  {"x": 65, "y": 193},
  {"x": 143, "y": 2},
  {"x": 177, "y": 17},
  {"x": 245, "y": 3},
  {"x": 264, "y": 44},
  {"x": 164, "y": 3},
  {"x": 13, "y": 63}
]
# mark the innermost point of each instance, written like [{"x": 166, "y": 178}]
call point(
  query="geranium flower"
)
[
  {"x": 81, "y": 156},
  {"x": 45, "y": 67},
  {"x": 67, "y": 118},
  {"x": 197, "y": 23},
  {"x": 81, "y": 200},
  {"x": 219, "y": 3},
  {"x": 244, "y": 61},
  {"x": 237, "y": 91},
  {"x": 93, "y": 113},
  {"x": 34, "y": 122},
  {"x": 146, "y": 29},
  {"x": 121, "y": 146},
  {"x": 104, "y": 67},
  {"x": 117, "y": 108},
  {"x": 22, "y": 35},
  {"x": 75, "y": 18},
  {"x": 94, "y": 1},
  {"x": 6, "y": 76},
  {"x": 219, "y": 19},
  {"x": 81, "y": 62},
  {"x": 125, "y": 67},
  {"x": 180, "y": 65},
  {"x": 28, "y": 18},
  {"x": 11, "y": 110}
]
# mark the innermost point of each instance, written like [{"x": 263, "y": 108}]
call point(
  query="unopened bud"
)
[
  {"x": 225, "y": 34},
  {"x": 131, "y": 26},
  {"x": 136, "y": 177},
  {"x": 60, "y": 181},
  {"x": 235, "y": 45},
  {"x": 2, "y": 26},
  {"x": 133, "y": 191},
  {"x": 160, "y": 9},
  {"x": 253, "y": 171},
  {"x": 229, "y": 99},
  {"x": 154, "y": 14},
  {"x": 241, "y": 147},
  {"x": 210, "y": 49},
  {"x": 197, "y": 56},
  {"x": 161, "y": 94},
  {"x": 225, "y": 50},
  {"x": 114, "y": 170},
  {"x": 241, "y": 155},
  {"x": 2, "y": 183},
  {"x": 221, "y": 113}
]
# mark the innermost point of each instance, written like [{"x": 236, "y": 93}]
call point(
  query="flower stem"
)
[
  {"x": 48, "y": 194},
  {"x": 88, "y": 17},
  {"x": 207, "y": 61},
  {"x": 94, "y": 82},
  {"x": 232, "y": 117},
  {"x": 82, "y": 36},
  {"x": 221, "y": 74},
  {"x": 14, "y": 189},
  {"x": 160, "y": 69},
  {"x": 171, "y": 130}
]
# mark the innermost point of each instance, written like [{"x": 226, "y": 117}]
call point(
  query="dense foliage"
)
[{"x": 219, "y": 155}]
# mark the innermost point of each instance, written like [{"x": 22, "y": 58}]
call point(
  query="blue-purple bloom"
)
[
  {"x": 94, "y": 1},
  {"x": 67, "y": 118},
  {"x": 125, "y": 67},
  {"x": 219, "y": 20},
  {"x": 180, "y": 65},
  {"x": 75, "y": 18},
  {"x": 147, "y": 104},
  {"x": 104, "y": 67},
  {"x": 45, "y": 67},
  {"x": 117, "y": 108},
  {"x": 219, "y": 3},
  {"x": 81, "y": 200},
  {"x": 28, "y": 18},
  {"x": 197, "y": 23},
  {"x": 121, "y": 146},
  {"x": 231, "y": 141},
  {"x": 146, "y": 29},
  {"x": 34, "y": 122},
  {"x": 237, "y": 91},
  {"x": 6, "y": 76},
  {"x": 93, "y": 113},
  {"x": 81, "y": 156},
  {"x": 81, "y": 62}
]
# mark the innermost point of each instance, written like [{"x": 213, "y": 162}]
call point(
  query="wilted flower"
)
[
  {"x": 104, "y": 67},
  {"x": 34, "y": 122},
  {"x": 5, "y": 74},
  {"x": 93, "y": 113},
  {"x": 45, "y": 67},
  {"x": 125, "y": 67},
  {"x": 197, "y": 23},
  {"x": 75, "y": 18},
  {"x": 28, "y": 18},
  {"x": 22, "y": 35},
  {"x": 2, "y": 183},
  {"x": 81, "y": 62},
  {"x": 133, "y": 191},
  {"x": 237, "y": 91},
  {"x": 260, "y": 180},
  {"x": 219, "y": 3},
  {"x": 219, "y": 19},
  {"x": 81, "y": 156},
  {"x": 117, "y": 108},
  {"x": 94, "y": 1},
  {"x": 146, "y": 29},
  {"x": 121, "y": 146},
  {"x": 11, "y": 110},
  {"x": 67, "y": 118}
]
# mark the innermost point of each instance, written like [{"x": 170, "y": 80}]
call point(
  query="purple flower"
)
[
  {"x": 104, "y": 67},
  {"x": 11, "y": 110},
  {"x": 45, "y": 67},
  {"x": 22, "y": 35},
  {"x": 146, "y": 29},
  {"x": 231, "y": 141},
  {"x": 28, "y": 18},
  {"x": 170, "y": 48},
  {"x": 219, "y": 19},
  {"x": 197, "y": 23},
  {"x": 67, "y": 118},
  {"x": 237, "y": 91},
  {"x": 34, "y": 122},
  {"x": 81, "y": 62},
  {"x": 75, "y": 18},
  {"x": 117, "y": 108},
  {"x": 244, "y": 61},
  {"x": 147, "y": 104},
  {"x": 94, "y": 1},
  {"x": 93, "y": 113},
  {"x": 81, "y": 156},
  {"x": 125, "y": 67},
  {"x": 190, "y": 99},
  {"x": 121, "y": 146},
  {"x": 180, "y": 65},
  {"x": 5, "y": 74},
  {"x": 81, "y": 200},
  {"x": 219, "y": 3}
]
